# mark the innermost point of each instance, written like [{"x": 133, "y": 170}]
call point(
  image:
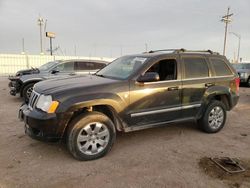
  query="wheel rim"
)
[
  {"x": 216, "y": 117},
  {"x": 93, "y": 138},
  {"x": 28, "y": 92}
]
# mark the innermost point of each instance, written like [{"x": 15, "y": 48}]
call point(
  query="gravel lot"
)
[{"x": 162, "y": 157}]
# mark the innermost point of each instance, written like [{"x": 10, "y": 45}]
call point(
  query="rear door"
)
[
  {"x": 85, "y": 67},
  {"x": 196, "y": 79}
]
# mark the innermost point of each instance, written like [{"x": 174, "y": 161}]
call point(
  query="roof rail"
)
[
  {"x": 163, "y": 50},
  {"x": 182, "y": 50}
]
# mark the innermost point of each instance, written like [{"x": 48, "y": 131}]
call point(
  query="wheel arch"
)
[{"x": 106, "y": 109}]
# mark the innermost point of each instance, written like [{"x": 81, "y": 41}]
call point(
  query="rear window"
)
[
  {"x": 195, "y": 67},
  {"x": 220, "y": 67},
  {"x": 81, "y": 66}
]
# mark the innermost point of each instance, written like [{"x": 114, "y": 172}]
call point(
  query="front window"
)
[{"x": 122, "y": 67}]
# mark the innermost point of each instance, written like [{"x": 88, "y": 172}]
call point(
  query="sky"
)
[{"x": 111, "y": 28}]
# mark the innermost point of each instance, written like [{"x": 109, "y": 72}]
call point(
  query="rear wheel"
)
[
  {"x": 214, "y": 117},
  {"x": 27, "y": 90},
  {"x": 90, "y": 136}
]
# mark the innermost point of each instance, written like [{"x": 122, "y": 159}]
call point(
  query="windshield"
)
[
  {"x": 242, "y": 66},
  {"x": 48, "y": 65},
  {"x": 122, "y": 67}
]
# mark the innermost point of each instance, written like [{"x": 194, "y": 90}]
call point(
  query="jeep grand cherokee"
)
[{"x": 134, "y": 92}]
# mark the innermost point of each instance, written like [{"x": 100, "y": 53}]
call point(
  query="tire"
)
[
  {"x": 90, "y": 136},
  {"x": 27, "y": 92},
  {"x": 214, "y": 117}
]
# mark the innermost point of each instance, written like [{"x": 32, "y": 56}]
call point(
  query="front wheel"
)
[
  {"x": 90, "y": 136},
  {"x": 27, "y": 90},
  {"x": 214, "y": 117}
]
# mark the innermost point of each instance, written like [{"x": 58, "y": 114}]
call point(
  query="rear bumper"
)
[
  {"x": 234, "y": 101},
  {"x": 39, "y": 125}
]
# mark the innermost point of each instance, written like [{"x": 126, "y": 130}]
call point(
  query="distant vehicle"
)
[
  {"x": 243, "y": 70},
  {"x": 24, "y": 80},
  {"x": 133, "y": 92}
]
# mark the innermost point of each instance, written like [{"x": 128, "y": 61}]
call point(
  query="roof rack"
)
[{"x": 182, "y": 50}]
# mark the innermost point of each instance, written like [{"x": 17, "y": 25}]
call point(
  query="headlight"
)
[{"x": 46, "y": 104}]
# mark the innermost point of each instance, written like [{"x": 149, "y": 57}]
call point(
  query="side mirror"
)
[
  {"x": 54, "y": 71},
  {"x": 149, "y": 77}
]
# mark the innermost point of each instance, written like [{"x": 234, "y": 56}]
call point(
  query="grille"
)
[{"x": 33, "y": 99}]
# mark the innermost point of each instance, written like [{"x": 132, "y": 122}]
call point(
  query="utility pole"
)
[
  {"x": 40, "y": 22},
  {"x": 226, "y": 19}
]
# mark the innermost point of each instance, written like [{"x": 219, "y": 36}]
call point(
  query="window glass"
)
[
  {"x": 220, "y": 67},
  {"x": 165, "y": 68},
  {"x": 65, "y": 67},
  {"x": 195, "y": 67},
  {"x": 122, "y": 67},
  {"x": 81, "y": 66}
]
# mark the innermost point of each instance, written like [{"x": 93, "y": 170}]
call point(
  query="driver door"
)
[{"x": 159, "y": 101}]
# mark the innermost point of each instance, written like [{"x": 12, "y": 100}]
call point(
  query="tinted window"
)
[
  {"x": 195, "y": 67},
  {"x": 65, "y": 67},
  {"x": 220, "y": 67},
  {"x": 81, "y": 66}
]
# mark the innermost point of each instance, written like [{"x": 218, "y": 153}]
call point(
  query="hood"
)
[
  {"x": 27, "y": 72},
  {"x": 69, "y": 83}
]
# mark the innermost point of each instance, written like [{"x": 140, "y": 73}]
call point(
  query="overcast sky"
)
[{"x": 114, "y": 27}]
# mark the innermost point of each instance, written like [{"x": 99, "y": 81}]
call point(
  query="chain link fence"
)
[{"x": 11, "y": 63}]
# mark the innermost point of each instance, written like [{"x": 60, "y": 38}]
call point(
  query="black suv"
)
[
  {"x": 243, "y": 69},
  {"x": 24, "y": 80},
  {"x": 133, "y": 92}
]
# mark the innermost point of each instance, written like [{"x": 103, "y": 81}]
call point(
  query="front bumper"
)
[
  {"x": 40, "y": 125},
  {"x": 14, "y": 86}
]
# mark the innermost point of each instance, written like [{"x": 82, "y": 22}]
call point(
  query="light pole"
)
[
  {"x": 239, "y": 38},
  {"x": 40, "y": 22}
]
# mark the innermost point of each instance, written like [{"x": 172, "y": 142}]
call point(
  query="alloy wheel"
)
[{"x": 93, "y": 138}]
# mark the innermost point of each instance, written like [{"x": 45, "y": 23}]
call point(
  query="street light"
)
[
  {"x": 239, "y": 38},
  {"x": 40, "y": 22}
]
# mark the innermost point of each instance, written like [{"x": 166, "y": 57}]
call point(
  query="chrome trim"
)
[
  {"x": 191, "y": 106},
  {"x": 188, "y": 79},
  {"x": 30, "y": 106},
  {"x": 164, "y": 110}
]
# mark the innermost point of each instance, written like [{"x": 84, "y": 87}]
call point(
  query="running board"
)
[{"x": 153, "y": 125}]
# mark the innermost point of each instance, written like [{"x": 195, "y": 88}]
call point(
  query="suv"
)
[
  {"x": 24, "y": 80},
  {"x": 133, "y": 92},
  {"x": 243, "y": 69}
]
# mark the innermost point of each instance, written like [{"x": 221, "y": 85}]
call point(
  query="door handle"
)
[
  {"x": 207, "y": 85},
  {"x": 72, "y": 74},
  {"x": 173, "y": 88}
]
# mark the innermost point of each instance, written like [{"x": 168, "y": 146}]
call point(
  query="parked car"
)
[
  {"x": 133, "y": 92},
  {"x": 24, "y": 80},
  {"x": 243, "y": 69}
]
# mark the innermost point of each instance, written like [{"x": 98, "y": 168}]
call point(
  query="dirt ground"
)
[{"x": 169, "y": 156}]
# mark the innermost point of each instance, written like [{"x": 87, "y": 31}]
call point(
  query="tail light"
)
[{"x": 237, "y": 84}]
